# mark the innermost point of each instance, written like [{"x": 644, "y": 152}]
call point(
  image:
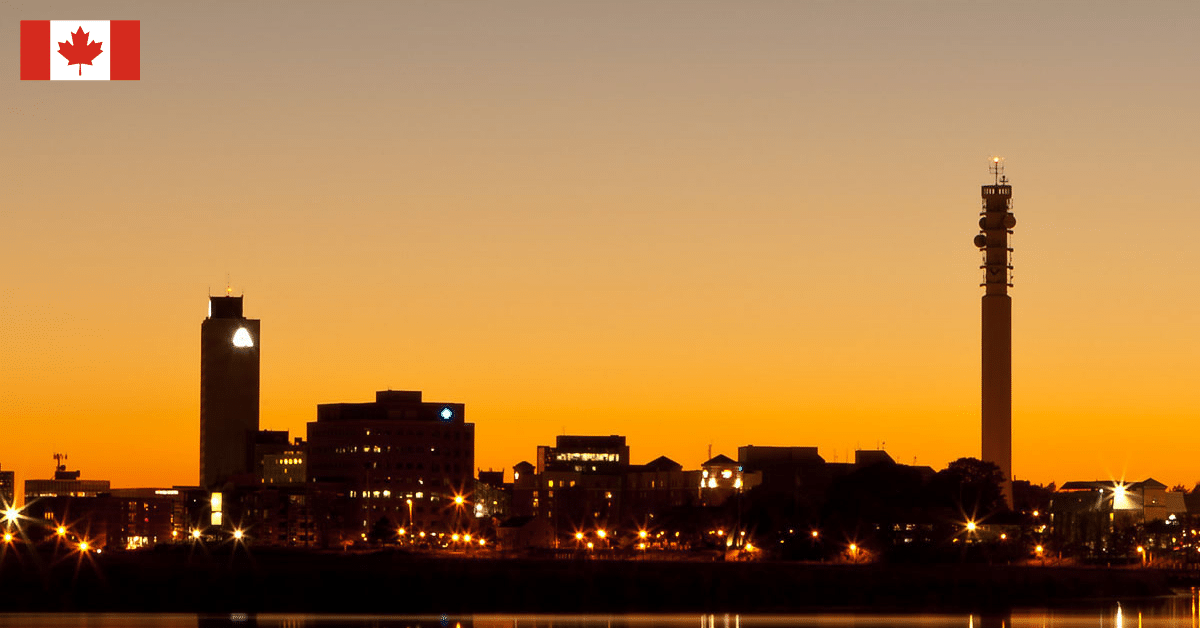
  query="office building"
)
[
  {"x": 8, "y": 488},
  {"x": 399, "y": 459},
  {"x": 278, "y": 460},
  {"x": 65, "y": 484},
  {"x": 230, "y": 348}
]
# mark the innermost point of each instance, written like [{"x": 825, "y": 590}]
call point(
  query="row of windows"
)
[
  {"x": 587, "y": 456},
  {"x": 433, "y": 433},
  {"x": 409, "y": 466},
  {"x": 387, "y": 449},
  {"x": 387, "y": 494}
]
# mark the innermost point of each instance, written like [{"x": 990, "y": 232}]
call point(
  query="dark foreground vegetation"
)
[{"x": 176, "y": 580}]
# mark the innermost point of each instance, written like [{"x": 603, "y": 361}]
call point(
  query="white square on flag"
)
[
  {"x": 97, "y": 31},
  {"x": 81, "y": 50}
]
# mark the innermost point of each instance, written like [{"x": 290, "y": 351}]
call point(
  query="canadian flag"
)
[{"x": 81, "y": 50}]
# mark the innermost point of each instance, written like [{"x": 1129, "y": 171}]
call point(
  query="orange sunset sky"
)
[{"x": 692, "y": 223}]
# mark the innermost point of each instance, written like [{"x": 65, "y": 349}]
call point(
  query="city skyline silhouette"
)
[{"x": 716, "y": 227}]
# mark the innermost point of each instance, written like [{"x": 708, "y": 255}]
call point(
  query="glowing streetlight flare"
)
[
  {"x": 83, "y": 546},
  {"x": 601, "y": 533},
  {"x": 238, "y": 534},
  {"x": 195, "y": 534},
  {"x": 971, "y": 526},
  {"x": 62, "y": 531},
  {"x": 578, "y": 536},
  {"x": 643, "y": 534},
  {"x": 458, "y": 499},
  {"x": 11, "y": 514},
  {"x": 8, "y": 537},
  {"x": 815, "y": 534}
]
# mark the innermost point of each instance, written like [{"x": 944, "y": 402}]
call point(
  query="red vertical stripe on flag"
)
[
  {"x": 126, "y": 61},
  {"x": 35, "y": 50}
]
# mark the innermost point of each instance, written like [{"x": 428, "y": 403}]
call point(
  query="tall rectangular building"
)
[
  {"x": 229, "y": 384},
  {"x": 8, "y": 491}
]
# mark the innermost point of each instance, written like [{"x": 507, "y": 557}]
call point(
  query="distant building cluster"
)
[{"x": 400, "y": 470}]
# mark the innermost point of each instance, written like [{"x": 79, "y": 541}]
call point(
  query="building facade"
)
[
  {"x": 8, "y": 488},
  {"x": 230, "y": 349},
  {"x": 399, "y": 459},
  {"x": 65, "y": 484}
]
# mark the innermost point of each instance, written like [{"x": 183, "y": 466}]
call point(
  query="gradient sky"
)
[{"x": 693, "y": 223}]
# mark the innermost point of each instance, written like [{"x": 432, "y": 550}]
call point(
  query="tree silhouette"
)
[{"x": 971, "y": 485}]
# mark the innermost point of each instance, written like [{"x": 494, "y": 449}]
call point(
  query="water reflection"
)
[{"x": 1169, "y": 612}]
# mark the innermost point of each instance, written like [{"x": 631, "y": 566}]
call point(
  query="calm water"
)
[{"x": 1178, "y": 612}]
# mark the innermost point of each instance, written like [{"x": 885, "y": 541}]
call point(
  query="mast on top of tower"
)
[{"x": 996, "y": 168}]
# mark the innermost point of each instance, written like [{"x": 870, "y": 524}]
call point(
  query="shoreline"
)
[{"x": 385, "y": 582}]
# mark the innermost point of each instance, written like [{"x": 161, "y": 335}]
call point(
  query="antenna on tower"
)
[
  {"x": 996, "y": 168},
  {"x": 228, "y": 286}
]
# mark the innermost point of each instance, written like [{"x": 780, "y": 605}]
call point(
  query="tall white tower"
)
[{"x": 995, "y": 225}]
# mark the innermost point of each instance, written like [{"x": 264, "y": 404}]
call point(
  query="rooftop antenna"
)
[
  {"x": 228, "y": 286},
  {"x": 996, "y": 168}
]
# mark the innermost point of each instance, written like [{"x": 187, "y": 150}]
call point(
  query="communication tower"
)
[{"x": 996, "y": 223}]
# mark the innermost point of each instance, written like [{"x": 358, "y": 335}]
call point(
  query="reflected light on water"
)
[{"x": 1157, "y": 614}]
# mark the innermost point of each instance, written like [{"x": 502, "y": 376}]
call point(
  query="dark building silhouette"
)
[
  {"x": 1100, "y": 516},
  {"x": 106, "y": 520},
  {"x": 8, "y": 488},
  {"x": 995, "y": 224},
  {"x": 278, "y": 460},
  {"x": 229, "y": 384},
  {"x": 65, "y": 484},
  {"x": 398, "y": 458},
  {"x": 585, "y": 454}
]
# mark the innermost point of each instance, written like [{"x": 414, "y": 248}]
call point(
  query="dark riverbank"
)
[{"x": 264, "y": 581}]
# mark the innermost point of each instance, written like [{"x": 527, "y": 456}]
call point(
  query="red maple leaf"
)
[{"x": 79, "y": 51}]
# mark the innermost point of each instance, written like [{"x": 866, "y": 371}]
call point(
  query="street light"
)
[
  {"x": 61, "y": 531},
  {"x": 196, "y": 534}
]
